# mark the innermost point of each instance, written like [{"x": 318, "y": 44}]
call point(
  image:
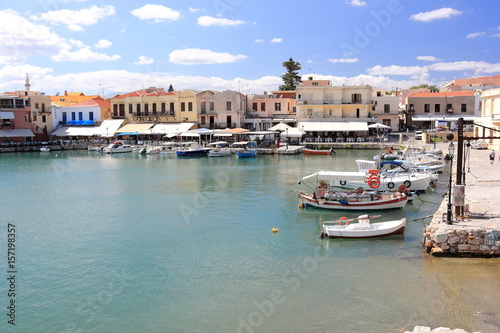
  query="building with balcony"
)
[
  {"x": 442, "y": 109},
  {"x": 266, "y": 110},
  {"x": 220, "y": 109},
  {"x": 15, "y": 118},
  {"x": 490, "y": 117},
  {"x": 472, "y": 83},
  {"x": 386, "y": 109}
]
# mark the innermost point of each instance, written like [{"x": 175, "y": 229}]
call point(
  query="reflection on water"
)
[{"x": 154, "y": 243}]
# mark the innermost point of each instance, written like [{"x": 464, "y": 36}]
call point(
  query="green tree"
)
[
  {"x": 291, "y": 78},
  {"x": 431, "y": 88},
  {"x": 170, "y": 88}
]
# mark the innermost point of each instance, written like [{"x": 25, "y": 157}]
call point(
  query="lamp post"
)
[{"x": 451, "y": 151}]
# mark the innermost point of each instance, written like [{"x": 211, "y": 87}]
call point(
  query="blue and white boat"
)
[
  {"x": 193, "y": 149},
  {"x": 249, "y": 149}
]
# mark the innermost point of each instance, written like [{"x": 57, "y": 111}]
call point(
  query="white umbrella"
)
[
  {"x": 280, "y": 127},
  {"x": 292, "y": 132},
  {"x": 378, "y": 125}
]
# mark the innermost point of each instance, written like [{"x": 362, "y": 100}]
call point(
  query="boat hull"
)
[
  {"x": 358, "y": 230},
  {"x": 394, "y": 201},
  {"x": 247, "y": 153},
  {"x": 317, "y": 152},
  {"x": 191, "y": 152}
]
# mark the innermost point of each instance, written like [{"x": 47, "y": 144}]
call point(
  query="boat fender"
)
[
  {"x": 374, "y": 182},
  {"x": 407, "y": 183},
  {"x": 343, "y": 182},
  {"x": 275, "y": 230},
  {"x": 402, "y": 188},
  {"x": 343, "y": 202},
  {"x": 390, "y": 185}
]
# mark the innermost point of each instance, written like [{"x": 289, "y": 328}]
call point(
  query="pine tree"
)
[
  {"x": 170, "y": 88},
  {"x": 291, "y": 78}
]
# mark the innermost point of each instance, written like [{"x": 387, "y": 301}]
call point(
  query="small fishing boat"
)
[
  {"x": 327, "y": 197},
  {"x": 363, "y": 229},
  {"x": 94, "y": 148},
  {"x": 193, "y": 150},
  {"x": 309, "y": 151},
  {"x": 118, "y": 147},
  {"x": 247, "y": 148},
  {"x": 45, "y": 149},
  {"x": 219, "y": 152},
  {"x": 153, "y": 150}
]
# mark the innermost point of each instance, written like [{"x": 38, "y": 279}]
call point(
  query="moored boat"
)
[
  {"x": 363, "y": 229},
  {"x": 309, "y": 151},
  {"x": 45, "y": 149},
  {"x": 193, "y": 150},
  {"x": 118, "y": 147},
  {"x": 249, "y": 149}
]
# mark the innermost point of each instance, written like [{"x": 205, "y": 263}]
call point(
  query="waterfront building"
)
[
  {"x": 15, "y": 118},
  {"x": 472, "y": 83},
  {"x": 490, "y": 117},
  {"x": 443, "y": 109},
  {"x": 386, "y": 108},
  {"x": 221, "y": 109},
  {"x": 268, "y": 109},
  {"x": 323, "y": 108}
]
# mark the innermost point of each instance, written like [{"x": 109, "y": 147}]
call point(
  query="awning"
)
[
  {"x": 109, "y": 127},
  {"x": 443, "y": 117},
  {"x": 328, "y": 126},
  {"x": 166, "y": 129},
  {"x": 16, "y": 133},
  {"x": 129, "y": 128},
  {"x": 81, "y": 122},
  {"x": 292, "y": 132},
  {"x": 77, "y": 131},
  {"x": 280, "y": 127},
  {"x": 6, "y": 115}
]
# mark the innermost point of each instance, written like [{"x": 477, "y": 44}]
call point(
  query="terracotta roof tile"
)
[{"x": 444, "y": 94}]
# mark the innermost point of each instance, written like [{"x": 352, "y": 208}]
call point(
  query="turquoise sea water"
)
[{"x": 132, "y": 243}]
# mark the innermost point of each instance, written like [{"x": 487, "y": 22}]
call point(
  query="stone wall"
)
[{"x": 451, "y": 240}]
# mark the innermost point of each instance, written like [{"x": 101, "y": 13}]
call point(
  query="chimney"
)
[{"x": 65, "y": 93}]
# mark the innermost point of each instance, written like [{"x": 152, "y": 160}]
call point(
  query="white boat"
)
[
  {"x": 94, "y": 148},
  {"x": 413, "y": 179},
  {"x": 363, "y": 229},
  {"x": 118, "y": 147},
  {"x": 327, "y": 197},
  {"x": 45, "y": 149},
  {"x": 153, "y": 150},
  {"x": 219, "y": 152},
  {"x": 192, "y": 149}
]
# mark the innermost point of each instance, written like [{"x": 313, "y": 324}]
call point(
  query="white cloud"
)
[
  {"x": 209, "y": 20},
  {"x": 357, "y": 3},
  {"x": 437, "y": 14},
  {"x": 277, "y": 40},
  {"x": 259, "y": 40},
  {"x": 474, "y": 35},
  {"x": 428, "y": 58},
  {"x": 157, "y": 13},
  {"x": 479, "y": 67},
  {"x": 202, "y": 57},
  {"x": 396, "y": 70},
  {"x": 103, "y": 43},
  {"x": 74, "y": 19},
  {"x": 84, "y": 55},
  {"x": 194, "y": 10},
  {"x": 144, "y": 61},
  {"x": 496, "y": 35},
  {"x": 343, "y": 60},
  {"x": 21, "y": 39}
]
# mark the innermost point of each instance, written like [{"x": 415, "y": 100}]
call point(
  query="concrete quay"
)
[{"x": 477, "y": 233}]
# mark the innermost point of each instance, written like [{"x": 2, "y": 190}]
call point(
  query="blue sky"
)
[{"x": 113, "y": 46}]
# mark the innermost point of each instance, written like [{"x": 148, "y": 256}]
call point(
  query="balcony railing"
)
[{"x": 329, "y": 102}]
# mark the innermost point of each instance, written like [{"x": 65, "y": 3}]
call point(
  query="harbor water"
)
[{"x": 135, "y": 243}]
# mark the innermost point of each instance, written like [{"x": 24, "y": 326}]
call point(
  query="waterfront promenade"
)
[{"x": 478, "y": 232}]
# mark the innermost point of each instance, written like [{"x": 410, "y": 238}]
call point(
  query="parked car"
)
[
  {"x": 479, "y": 144},
  {"x": 418, "y": 135}
]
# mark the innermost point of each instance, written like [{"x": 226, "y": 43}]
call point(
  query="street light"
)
[{"x": 451, "y": 151}]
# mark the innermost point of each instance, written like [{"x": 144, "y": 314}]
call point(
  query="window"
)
[
  {"x": 202, "y": 120},
  {"x": 172, "y": 109},
  {"x": 43, "y": 107},
  {"x": 357, "y": 113},
  {"x": 387, "y": 108},
  {"x": 122, "y": 110},
  {"x": 130, "y": 109},
  {"x": 263, "y": 106},
  {"x": 203, "y": 107},
  {"x": 34, "y": 117},
  {"x": 463, "y": 108},
  {"x": 228, "y": 106},
  {"x": 379, "y": 93},
  {"x": 254, "y": 106},
  {"x": 412, "y": 107},
  {"x": 154, "y": 108},
  {"x": 80, "y": 115},
  {"x": 183, "y": 106},
  {"x": 138, "y": 109},
  {"x": 146, "y": 109},
  {"x": 277, "y": 106},
  {"x": 437, "y": 108},
  {"x": 190, "y": 106},
  {"x": 73, "y": 115},
  {"x": 44, "y": 119},
  {"x": 356, "y": 98},
  {"x": 228, "y": 120},
  {"x": 91, "y": 115},
  {"x": 330, "y": 112},
  {"x": 163, "y": 107},
  {"x": 427, "y": 108},
  {"x": 36, "y": 105},
  {"x": 449, "y": 108},
  {"x": 212, "y": 106}
]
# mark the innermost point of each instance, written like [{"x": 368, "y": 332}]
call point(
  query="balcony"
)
[{"x": 331, "y": 102}]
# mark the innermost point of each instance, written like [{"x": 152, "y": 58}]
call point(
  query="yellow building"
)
[{"x": 490, "y": 117}]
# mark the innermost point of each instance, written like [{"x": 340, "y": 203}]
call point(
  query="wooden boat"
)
[
  {"x": 363, "y": 229},
  {"x": 327, "y": 197},
  {"x": 309, "y": 151}
]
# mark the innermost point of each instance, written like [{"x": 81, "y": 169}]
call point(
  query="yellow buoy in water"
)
[{"x": 275, "y": 230}]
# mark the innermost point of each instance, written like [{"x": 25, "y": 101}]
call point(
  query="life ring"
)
[
  {"x": 343, "y": 182},
  {"x": 407, "y": 183},
  {"x": 342, "y": 219},
  {"x": 390, "y": 185},
  {"x": 374, "y": 182}
]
